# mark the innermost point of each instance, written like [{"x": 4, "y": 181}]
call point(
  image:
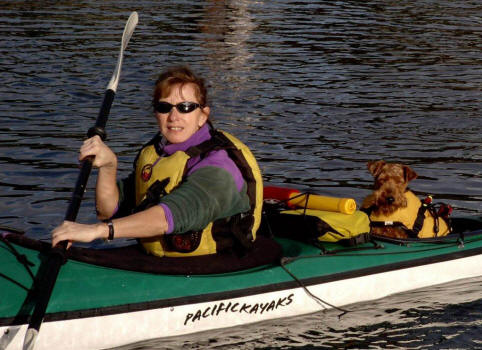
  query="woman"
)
[{"x": 194, "y": 190}]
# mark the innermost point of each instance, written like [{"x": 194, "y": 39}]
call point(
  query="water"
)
[{"x": 316, "y": 89}]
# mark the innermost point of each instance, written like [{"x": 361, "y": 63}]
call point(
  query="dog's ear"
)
[
  {"x": 409, "y": 173},
  {"x": 375, "y": 167}
]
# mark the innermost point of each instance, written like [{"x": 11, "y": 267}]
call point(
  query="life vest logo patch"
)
[{"x": 146, "y": 172}]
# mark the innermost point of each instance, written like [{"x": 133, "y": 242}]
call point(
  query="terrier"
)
[{"x": 394, "y": 210}]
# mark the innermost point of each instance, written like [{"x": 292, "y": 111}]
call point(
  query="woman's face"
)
[{"x": 177, "y": 127}]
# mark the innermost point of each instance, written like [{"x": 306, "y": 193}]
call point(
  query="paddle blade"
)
[
  {"x": 129, "y": 29},
  {"x": 126, "y": 36},
  {"x": 30, "y": 337}
]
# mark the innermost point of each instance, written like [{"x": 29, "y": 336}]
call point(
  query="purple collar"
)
[{"x": 199, "y": 136}]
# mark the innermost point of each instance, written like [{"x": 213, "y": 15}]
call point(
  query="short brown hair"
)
[{"x": 179, "y": 75}]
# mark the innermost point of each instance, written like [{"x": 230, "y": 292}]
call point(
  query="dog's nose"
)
[{"x": 390, "y": 200}]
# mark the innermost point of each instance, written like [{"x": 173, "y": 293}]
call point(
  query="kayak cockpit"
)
[{"x": 265, "y": 251}]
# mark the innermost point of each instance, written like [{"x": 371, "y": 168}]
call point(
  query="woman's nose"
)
[{"x": 173, "y": 114}]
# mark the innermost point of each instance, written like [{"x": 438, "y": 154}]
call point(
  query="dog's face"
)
[{"x": 391, "y": 181}]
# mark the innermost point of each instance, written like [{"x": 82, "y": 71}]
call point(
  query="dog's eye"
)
[{"x": 399, "y": 180}]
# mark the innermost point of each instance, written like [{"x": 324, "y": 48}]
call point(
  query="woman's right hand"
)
[
  {"x": 75, "y": 232},
  {"x": 104, "y": 157}
]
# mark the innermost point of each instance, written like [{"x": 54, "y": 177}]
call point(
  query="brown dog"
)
[{"x": 394, "y": 209}]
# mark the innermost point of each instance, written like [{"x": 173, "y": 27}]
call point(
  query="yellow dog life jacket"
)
[
  {"x": 166, "y": 173},
  {"x": 407, "y": 217}
]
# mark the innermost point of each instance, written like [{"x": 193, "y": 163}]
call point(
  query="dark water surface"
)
[{"x": 316, "y": 89}]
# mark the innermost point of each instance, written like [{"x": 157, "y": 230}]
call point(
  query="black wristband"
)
[{"x": 110, "y": 225}]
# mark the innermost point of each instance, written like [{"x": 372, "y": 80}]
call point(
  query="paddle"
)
[{"x": 56, "y": 256}]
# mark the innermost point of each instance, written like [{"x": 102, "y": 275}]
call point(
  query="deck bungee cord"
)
[
  {"x": 320, "y": 301},
  {"x": 21, "y": 258},
  {"x": 336, "y": 253},
  {"x": 441, "y": 243}
]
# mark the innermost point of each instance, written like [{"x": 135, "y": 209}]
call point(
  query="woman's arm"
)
[
  {"x": 148, "y": 223},
  {"x": 208, "y": 194},
  {"x": 106, "y": 193}
]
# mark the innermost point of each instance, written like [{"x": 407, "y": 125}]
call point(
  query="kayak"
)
[{"x": 111, "y": 297}]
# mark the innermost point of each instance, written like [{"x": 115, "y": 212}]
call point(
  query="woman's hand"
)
[
  {"x": 73, "y": 231},
  {"x": 104, "y": 157}
]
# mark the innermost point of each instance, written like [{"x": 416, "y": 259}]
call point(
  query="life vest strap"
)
[
  {"x": 216, "y": 142},
  {"x": 239, "y": 225},
  {"x": 418, "y": 224},
  {"x": 442, "y": 211},
  {"x": 396, "y": 224},
  {"x": 357, "y": 240},
  {"x": 153, "y": 195}
]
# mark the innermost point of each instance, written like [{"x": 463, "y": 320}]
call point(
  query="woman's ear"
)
[{"x": 204, "y": 115}]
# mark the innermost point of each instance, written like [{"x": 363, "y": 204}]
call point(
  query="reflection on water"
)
[
  {"x": 226, "y": 30},
  {"x": 316, "y": 89}
]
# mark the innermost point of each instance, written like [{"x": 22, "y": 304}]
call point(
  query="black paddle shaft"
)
[
  {"x": 56, "y": 258},
  {"x": 97, "y": 129}
]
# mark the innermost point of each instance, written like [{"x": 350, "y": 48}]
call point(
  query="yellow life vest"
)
[
  {"x": 157, "y": 175},
  {"x": 407, "y": 218}
]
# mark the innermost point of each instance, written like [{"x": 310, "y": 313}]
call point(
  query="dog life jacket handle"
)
[{"x": 426, "y": 205}]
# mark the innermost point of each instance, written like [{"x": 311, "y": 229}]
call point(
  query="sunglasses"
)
[{"x": 183, "y": 107}]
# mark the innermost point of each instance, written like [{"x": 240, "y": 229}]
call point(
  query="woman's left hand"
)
[
  {"x": 103, "y": 155},
  {"x": 75, "y": 232}
]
